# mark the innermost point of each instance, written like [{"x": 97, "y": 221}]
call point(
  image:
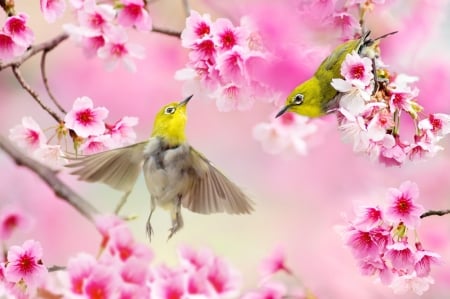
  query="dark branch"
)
[
  {"x": 167, "y": 31},
  {"x": 50, "y": 178},
  {"x": 45, "y": 46},
  {"x": 34, "y": 94},
  {"x": 435, "y": 213},
  {"x": 45, "y": 80},
  {"x": 56, "y": 268}
]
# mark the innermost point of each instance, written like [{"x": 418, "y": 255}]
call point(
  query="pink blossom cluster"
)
[
  {"x": 222, "y": 57},
  {"x": 15, "y": 37},
  {"x": 329, "y": 15},
  {"x": 30, "y": 138},
  {"x": 88, "y": 122},
  {"x": 379, "y": 239},
  {"x": 121, "y": 270},
  {"x": 101, "y": 30},
  {"x": 370, "y": 114},
  {"x": 287, "y": 134},
  {"x": 274, "y": 264}
]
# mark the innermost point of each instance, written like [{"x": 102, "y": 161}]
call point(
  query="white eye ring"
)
[
  {"x": 298, "y": 99},
  {"x": 169, "y": 110}
]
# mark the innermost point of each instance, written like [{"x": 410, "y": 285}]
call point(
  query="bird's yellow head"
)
[
  {"x": 305, "y": 100},
  {"x": 170, "y": 122}
]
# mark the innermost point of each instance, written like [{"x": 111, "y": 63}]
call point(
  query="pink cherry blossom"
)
[
  {"x": 8, "y": 48},
  {"x": 12, "y": 219},
  {"x": 274, "y": 263},
  {"x": 268, "y": 291},
  {"x": 17, "y": 28},
  {"x": 117, "y": 49},
  {"x": 194, "y": 259},
  {"x": 364, "y": 243},
  {"x": 197, "y": 27},
  {"x": 79, "y": 269},
  {"x": 376, "y": 266},
  {"x": 122, "y": 132},
  {"x": 357, "y": 70},
  {"x": 423, "y": 261},
  {"x": 368, "y": 217},
  {"x": 285, "y": 134},
  {"x": 401, "y": 207},
  {"x": 227, "y": 34},
  {"x": 401, "y": 255},
  {"x": 102, "y": 283},
  {"x": 24, "y": 263},
  {"x": 133, "y": 13},
  {"x": 347, "y": 23},
  {"x": 52, "y": 9},
  {"x": 51, "y": 155},
  {"x": 84, "y": 119},
  {"x": 438, "y": 124},
  {"x": 28, "y": 135},
  {"x": 411, "y": 282},
  {"x": 96, "y": 144},
  {"x": 95, "y": 19},
  {"x": 224, "y": 280}
]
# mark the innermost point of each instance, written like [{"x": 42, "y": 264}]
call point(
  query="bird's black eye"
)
[
  {"x": 169, "y": 110},
  {"x": 298, "y": 99}
]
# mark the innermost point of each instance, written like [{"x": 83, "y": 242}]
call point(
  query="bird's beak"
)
[
  {"x": 185, "y": 101},
  {"x": 283, "y": 110}
]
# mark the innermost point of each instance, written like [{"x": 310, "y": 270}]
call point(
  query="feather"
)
[
  {"x": 212, "y": 191},
  {"x": 118, "y": 168}
]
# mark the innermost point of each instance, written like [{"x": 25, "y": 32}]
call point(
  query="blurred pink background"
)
[{"x": 298, "y": 200}]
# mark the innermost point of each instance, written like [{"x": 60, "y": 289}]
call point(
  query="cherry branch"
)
[
  {"x": 50, "y": 177},
  {"x": 45, "y": 80},
  {"x": 34, "y": 94},
  {"x": 166, "y": 31},
  {"x": 435, "y": 213},
  {"x": 45, "y": 46}
]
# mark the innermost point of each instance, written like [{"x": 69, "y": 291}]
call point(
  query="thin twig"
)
[
  {"x": 45, "y": 79},
  {"x": 45, "y": 46},
  {"x": 34, "y": 94},
  {"x": 51, "y": 179},
  {"x": 435, "y": 213},
  {"x": 56, "y": 268},
  {"x": 187, "y": 10},
  {"x": 167, "y": 31}
]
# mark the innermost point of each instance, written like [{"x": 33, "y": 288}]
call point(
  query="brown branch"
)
[
  {"x": 34, "y": 94},
  {"x": 45, "y": 46},
  {"x": 167, "y": 31},
  {"x": 45, "y": 80},
  {"x": 50, "y": 178},
  {"x": 435, "y": 213}
]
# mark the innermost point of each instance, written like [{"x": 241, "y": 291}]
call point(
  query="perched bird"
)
[
  {"x": 175, "y": 173},
  {"x": 316, "y": 96}
]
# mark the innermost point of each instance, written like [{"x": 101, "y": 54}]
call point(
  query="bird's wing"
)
[
  {"x": 212, "y": 191},
  {"x": 118, "y": 168}
]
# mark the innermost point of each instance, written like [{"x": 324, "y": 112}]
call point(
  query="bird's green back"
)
[{"x": 317, "y": 91}]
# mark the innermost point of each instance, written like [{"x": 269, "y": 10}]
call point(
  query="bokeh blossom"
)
[
  {"x": 379, "y": 239},
  {"x": 286, "y": 134}
]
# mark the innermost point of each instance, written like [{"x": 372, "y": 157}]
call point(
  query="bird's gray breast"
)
[{"x": 166, "y": 170}]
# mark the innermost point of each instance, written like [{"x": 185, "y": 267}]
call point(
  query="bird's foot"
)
[{"x": 149, "y": 230}]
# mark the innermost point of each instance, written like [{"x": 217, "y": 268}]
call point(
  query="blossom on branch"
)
[
  {"x": 379, "y": 240},
  {"x": 222, "y": 57}
]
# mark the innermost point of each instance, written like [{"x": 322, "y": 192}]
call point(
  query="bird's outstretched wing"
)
[
  {"x": 118, "y": 168},
  {"x": 212, "y": 191}
]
